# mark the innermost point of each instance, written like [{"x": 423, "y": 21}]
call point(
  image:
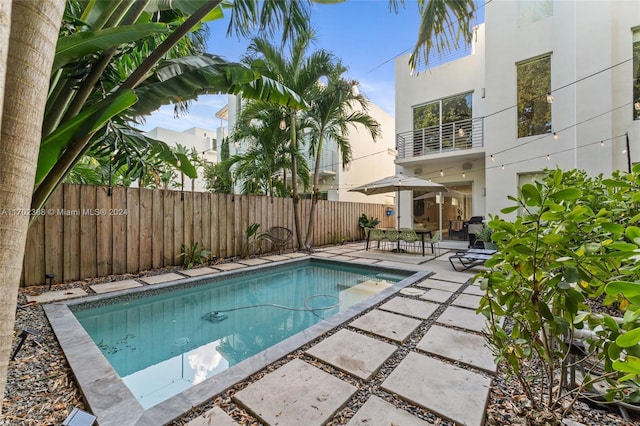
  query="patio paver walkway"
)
[
  {"x": 377, "y": 411},
  {"x": 385, "y": 324},
  {"x": 115, "y": 286},
  {"x": 457, "y": 394},
  {"x": 162, "y": 278},
  {"x": 353, "y": 353},
  {"x": 296, "y": 394}
]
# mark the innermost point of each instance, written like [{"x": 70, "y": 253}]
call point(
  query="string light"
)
[
  {"x": 549, "y": 98},
  {"x": 492, "y": 159},
  {"x": 548, "y": 157},
  {"x": 464, "y": 175},
  {"x": 441, "y": 172},
  {"x": 624, "y": 151},
  {"x": 602, "y": 144},
  {"x": 461, "y": 132},
  {"x": 502, "y": 167},
  {"x": 637, "y": 106},
  {"x": 555, "y": 135}
]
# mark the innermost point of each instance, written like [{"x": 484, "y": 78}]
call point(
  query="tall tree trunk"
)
[
  {"x": 314, "y": 197},
  {"x": 294, "y": 180},
  {"x": 31, "y": 48}
]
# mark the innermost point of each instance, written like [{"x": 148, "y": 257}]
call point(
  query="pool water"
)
[{"x": 162, "y": 344}]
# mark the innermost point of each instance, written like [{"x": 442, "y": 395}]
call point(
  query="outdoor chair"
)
[
  {"x": 409, "y": 237},
  {"x": 434, "y": 241},
  {"x": 393, "y": 237},
  {"x": 376, "y": 234},
  {"x": 279, "y": 236},
  {"x": 469, "y": 259}
]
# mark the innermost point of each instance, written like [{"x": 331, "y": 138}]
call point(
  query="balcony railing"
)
[{"x": 454, "y": 136}]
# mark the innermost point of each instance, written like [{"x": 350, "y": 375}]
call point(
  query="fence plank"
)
[
  {"x": 88, "y": 229},
  {"x": 205, "y": 219},
  {"x": 71, "y": 225},
  {"x": 178, "y": 226},
  {"x": 168, "y": 256},
  {"x": 133, "y": 230},
  {"x": 215, "y": 224},
  {"x": 119, "y": 205},
  {"x": 53, "y": 239},
  {"x": 104, "y": 232},
  {"x": 187, "y": 214},
  {"x": 34, "y": 249},
  {"x": 146, "y": 229},
  {"x": 157, "y": 229},
  {"x": 223, "y": 226}
]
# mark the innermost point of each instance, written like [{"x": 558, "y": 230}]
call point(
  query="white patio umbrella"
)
[
  {"x": 399, "y": 183},
  {"x": 449, "y": 193}
]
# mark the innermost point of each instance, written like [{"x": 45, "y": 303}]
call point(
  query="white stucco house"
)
[
  {"x": 204, "y": 141},
  {"x": 370, "y": 160},
  {"x": 544, "y": 84}
]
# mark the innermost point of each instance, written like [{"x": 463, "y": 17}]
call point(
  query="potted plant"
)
[
  {"x": 484, "y": 235},
  {"x": 367, "y": 222}
]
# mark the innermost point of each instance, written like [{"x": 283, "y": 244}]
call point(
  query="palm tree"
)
[
  {"x": 27, "y": 48},
  {"x": 442, "y": 24},
  {"x": 263, "y": 164},
  {"x": 335, "y": 108},
  {"x": 300, "y": 71}
]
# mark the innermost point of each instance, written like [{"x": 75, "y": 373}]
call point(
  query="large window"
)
[
  {"x": 443, "y": 124},
  {"x": 447, "y": 110},
  {"x": 636, "y": 74},
  {"x": 534, "y": 108}
]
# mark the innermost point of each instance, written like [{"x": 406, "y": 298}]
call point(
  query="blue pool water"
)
[{"x": 162, "y": 344}]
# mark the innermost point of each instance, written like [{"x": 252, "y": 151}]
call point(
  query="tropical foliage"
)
[
  {"x": 574, "y": 249},
  {"x": 117, "y": 61}
]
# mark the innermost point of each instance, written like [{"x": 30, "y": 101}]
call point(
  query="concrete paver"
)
[
  {"x": 52, "y": 296},
  {"x": 365, "y": 261},
  {"x": 295, "y": 255},
  {"x": 454, "y": 277},
  {"x": 229, "y": 266},
  {"x": 213, "y": 417},
  {"x": 275, "y": 258},
  {"x": 463, "y": 318},
  {"x": 296, "y": 394},
  {"x": 474, "y": 289},
  {"x": 454, "y": 393},
  {"x": 458, "y": 345},
  {"x": 385, "y": 324},
  {"x": 437, "y": 295},
  {"x": 115, "y": 286},
  {"x": 440, "y": 285},
  {"x": 323, "y": 254},
  {"x": 410, "y": 307},
  {"x": 196, "y": 272},
  {"x": 470, "y": 301},
  {"x": 353, "y": 353},
  {"x": 377, "y": 411},
  {"x": 162, "y": 278},
  {"x": 253, "y": 262}
]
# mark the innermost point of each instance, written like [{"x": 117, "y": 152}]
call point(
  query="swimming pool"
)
[{"x": 170, "y": 347}]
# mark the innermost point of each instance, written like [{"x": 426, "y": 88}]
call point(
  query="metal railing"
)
[{"x": 454, "y": 136}]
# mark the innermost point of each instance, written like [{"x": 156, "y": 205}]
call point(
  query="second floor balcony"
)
[{"x": 447, "y": 137}]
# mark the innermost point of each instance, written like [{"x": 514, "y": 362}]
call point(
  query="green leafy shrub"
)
[
  {"x": 367, "y": 222},
  {"x": 194, "y": 255},
  {"x": 576, "y": 244},
  {"x": 252, "y": 239}
]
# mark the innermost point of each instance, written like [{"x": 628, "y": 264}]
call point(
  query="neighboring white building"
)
[
  {"x": 203, "y": 140},
  {"x": 483, "y": 125},
  {"x": 370, "y": 161}
]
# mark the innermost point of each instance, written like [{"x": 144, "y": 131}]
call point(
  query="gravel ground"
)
[{"x": 41, "y": 389}]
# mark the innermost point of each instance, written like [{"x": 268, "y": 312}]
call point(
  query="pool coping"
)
[{"x": 112, "y": 401}]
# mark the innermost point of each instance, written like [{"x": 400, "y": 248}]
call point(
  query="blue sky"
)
[{"x": 365, "y": 34}]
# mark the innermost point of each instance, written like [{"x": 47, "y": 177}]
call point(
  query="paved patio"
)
[{"x": 444, "y": 368}]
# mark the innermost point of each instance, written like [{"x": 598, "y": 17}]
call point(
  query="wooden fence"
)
[{"x": 84, "y": 232}]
